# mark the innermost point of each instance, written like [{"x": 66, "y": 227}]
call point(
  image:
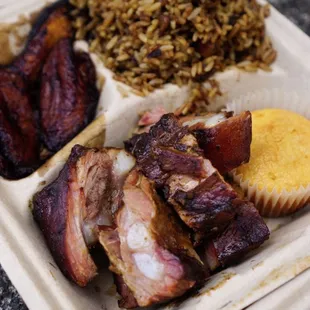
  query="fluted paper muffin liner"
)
[{"x": 275, "y": 203}]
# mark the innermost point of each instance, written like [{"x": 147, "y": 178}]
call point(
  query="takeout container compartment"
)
[{"x": 26, "y": 258}]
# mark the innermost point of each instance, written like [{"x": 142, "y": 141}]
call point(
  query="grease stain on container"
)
[
  {"x": 111, "y": 291},
  {"x": 197, "y": 294},
  {"x": 225, "y": 277},
  {"x": 258, "y": 265},
  {"x": 283, "y": 274},
  {"x": 300, "y": 265},
  {"x": 52, "y": 275}
]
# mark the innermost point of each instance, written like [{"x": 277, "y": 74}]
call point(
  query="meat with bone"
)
[
  {"x": 167, "y": 148},
  {"x": 69, "y": 95},
  {"x": 225, "y": 139},
  {"x": 206, "y": 205},
  {"x": 245, "y": 233},
  {"x": 19, "y": 143},
  {"x": 153, "y": 258},
  {"x": 51, "y": 26},
  {"x": 69, "y": 210},
  {"x": 170, "y": 156}
]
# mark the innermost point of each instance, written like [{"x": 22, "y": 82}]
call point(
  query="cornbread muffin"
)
[{"x": 277, "y": 177}]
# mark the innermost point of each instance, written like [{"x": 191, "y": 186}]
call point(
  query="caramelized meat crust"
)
[
  {"x": 19, "y": 155},
  {"x": 87, "y": 91},
  {"x": 58, "y": 211},
  {"x": 152, "y": 256},
  {"x": 51, "y": 26},
  {"x": 169, "y": 155},
  {"x": 19, "y": 146},
  {"x": 227, "y": 144},
  {"x": 208, "y": 207},
  {"x": 68, "y": 96},
  {"x": 224, "y": 138},
  {"x": 82, "y": 198},
  {"x": 245, "y": 233},
  {"x": 166, "y": 148}
]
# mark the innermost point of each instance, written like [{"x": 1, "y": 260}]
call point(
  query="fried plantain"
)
[
  {"x": 19, "y": 144},
  {"x": 68, "y": 96},
  {"x": 51, "y": 26}
]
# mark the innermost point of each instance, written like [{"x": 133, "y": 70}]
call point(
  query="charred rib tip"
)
[{"x": 70, "y": 210}]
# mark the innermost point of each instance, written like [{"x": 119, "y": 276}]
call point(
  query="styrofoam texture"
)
[{"x": 26, "y": 258}]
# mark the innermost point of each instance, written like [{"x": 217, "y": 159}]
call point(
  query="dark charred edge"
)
[
  {"x": 76, "y": 152},
  {"x": 55, "y": 242},
  {"x": 194, "y": 269},
  {"x": 209, "y": 140},
  {"x": 154, "y": 151},
  {"x": 264, "y": 236},
  {"x": 208, "y": 233},
  {"x": 12, "y": 172},
  {"x": 57, "y": 190},
  {"x": 206, "y": 207},
  {"x": 43, "y": 16},
  {"x": 168, "y": 124},
  {"x": 10, "y": 167},
  {"x": 86, "y": 91},
  {"x": 55, "y": 145},
  {"x": 243, "y": 227},
  {"x": 83, "y": 59},
  {"x": 127, "y": 301}
]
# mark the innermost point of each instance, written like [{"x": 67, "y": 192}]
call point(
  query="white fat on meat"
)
[
  {"x": 187, "y": 183},
  {"x": 208, "y": 167},
  {"x": 149, "y": 266},
  {"x": 93, "y": 174},
  {"x": 208, "y": 120},
  {"x": 138, "y": 237},
  {"x": 123, "y": 163},
  {"x": 181, "y": 182}
]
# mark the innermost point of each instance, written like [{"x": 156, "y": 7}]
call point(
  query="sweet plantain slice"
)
[{"x": 51, "y": 26}]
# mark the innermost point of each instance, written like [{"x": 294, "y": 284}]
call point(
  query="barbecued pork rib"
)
[
  {"x": 51, "y": 26},
  {"x": 19, "y": 141},
  {"x": 167, "y": 149},
  {"x": 224, "y": 138},
  {"x": 69, "y": 210},
  {"x": 153, "y": 258},
  {"x": 245, "y": 233},
  {"x": 170, "y": 156},
  {"x": 69, "y": 96},
  {"x": 206, "y": 205}
]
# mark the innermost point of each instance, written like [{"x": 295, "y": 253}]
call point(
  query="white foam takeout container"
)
[{"x": 27, "y": 261}]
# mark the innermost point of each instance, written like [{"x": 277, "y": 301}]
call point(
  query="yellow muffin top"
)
[{"x": 280, "y": 151}]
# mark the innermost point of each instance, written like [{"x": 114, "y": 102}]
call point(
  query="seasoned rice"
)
[{"x": 148, "y": 43}]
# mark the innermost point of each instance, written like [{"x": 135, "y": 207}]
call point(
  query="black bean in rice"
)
[{"x": 148, "y": 43}]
